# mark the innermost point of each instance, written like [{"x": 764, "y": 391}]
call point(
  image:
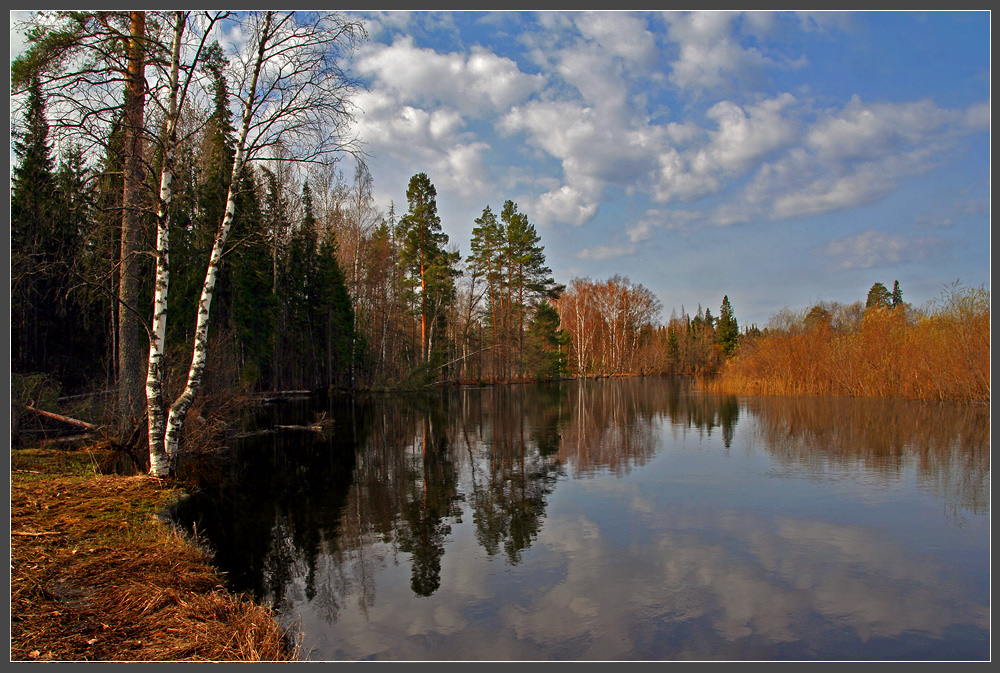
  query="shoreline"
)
[{"x": 98, "y": 575}]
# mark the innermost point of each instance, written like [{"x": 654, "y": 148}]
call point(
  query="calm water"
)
[{"x": 602, "y": 520}]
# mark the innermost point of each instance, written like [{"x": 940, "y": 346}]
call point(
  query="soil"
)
[{"x": 98, "y": 575}]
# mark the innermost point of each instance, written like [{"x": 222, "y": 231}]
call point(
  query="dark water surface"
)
[{"x": 625, "y": 519}]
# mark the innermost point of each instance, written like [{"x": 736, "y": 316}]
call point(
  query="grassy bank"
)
[
  {"x": 940, "y": 354},
  {"x": 96, "y": 575}
]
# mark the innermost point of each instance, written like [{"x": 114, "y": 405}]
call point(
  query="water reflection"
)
[
  {"x": 602, "y": 519},
  {"x": 948, "y": 445}
]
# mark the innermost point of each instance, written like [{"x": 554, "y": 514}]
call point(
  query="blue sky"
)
[{"x": 777, "y": 158}]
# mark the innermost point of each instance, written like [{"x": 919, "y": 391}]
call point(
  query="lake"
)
[{"x": 625, "y": 519}]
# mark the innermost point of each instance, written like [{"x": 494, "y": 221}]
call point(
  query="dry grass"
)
[
  {"x": 944, "y": 356},
  {"x": 95, "y": 575}
]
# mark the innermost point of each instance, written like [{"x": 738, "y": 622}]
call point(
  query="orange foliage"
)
[{"x": 943, "y": 356}]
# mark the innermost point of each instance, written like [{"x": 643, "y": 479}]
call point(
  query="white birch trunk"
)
[
  {"x": 158, "y": 463},
  {"x": 180, "y": 407}
]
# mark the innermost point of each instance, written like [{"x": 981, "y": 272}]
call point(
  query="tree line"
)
[
  {"x": 182, "y": 228},
  {"x": 305, "y": 282}
]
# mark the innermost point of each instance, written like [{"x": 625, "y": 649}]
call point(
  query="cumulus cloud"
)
[
  {"x": 474, "y": 83},
  {"x": 434, "y": 139},
  {"x": 565, "y": 204},
  {"x": 871, "y": 249},
  {"x": 862, "y": 130},
  {"x": 710, "y": 54},
  {"x": 589, "y": 112},
  {"x": 743, "y": 136},
  {"x": 851, "y": 157}
]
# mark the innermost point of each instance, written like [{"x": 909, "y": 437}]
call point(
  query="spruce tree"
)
[
  {"x": 485, "y": 261},
  {"x": 528, "y": 278},
  {"x": 728, "y": 332},
  {"x": 897, "y": 295},
  {"x": 546, "y": 344},
  {"x": 31, "y": 221}
]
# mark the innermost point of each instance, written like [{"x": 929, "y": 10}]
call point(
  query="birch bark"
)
[
  {"x": 158, "y": 463},
  {"x": 180, "y": 407}
]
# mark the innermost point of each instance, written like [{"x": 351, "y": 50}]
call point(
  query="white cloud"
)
[
  {"x": 620, "y": 34},
  {"x": 564, "y": 205},
  {"x": 593, "y": 152},
  {"x": 744, "y": 135},
  {"x": 872, "y": 249},
  {"x": 977, "y": 117},
  {"x": 590, "y": 114},
  {"x": 853, "y": 156},
  {"x": 863, "y": 130},
  {"x": 601, "y": 252},
  {"x": 435, "y": 141},
  {"x": 476, "y": 83},
  {"x": 710, "y": 54}
]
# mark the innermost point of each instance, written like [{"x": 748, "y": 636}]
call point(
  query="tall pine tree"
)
[{"x": 429, "y": 268}]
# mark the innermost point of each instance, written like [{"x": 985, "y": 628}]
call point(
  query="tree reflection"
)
[
  {"x": 511, "y": 473},
  {"x": 430, "y": 494},
  {"x": 948, "y": 444},
  {"x": 307, "y": 518}
]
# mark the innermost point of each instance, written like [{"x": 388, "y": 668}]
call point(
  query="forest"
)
[{"x": 190, "y": 228}]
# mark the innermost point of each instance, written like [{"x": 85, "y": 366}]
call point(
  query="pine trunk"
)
[{"x": 129, "y": 332}]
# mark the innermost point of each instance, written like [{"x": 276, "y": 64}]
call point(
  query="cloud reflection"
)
[{"x": 629, "y": 520}]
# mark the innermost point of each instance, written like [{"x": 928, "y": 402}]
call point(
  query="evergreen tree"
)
[
  {"x": 52, "y": 325},
  {"x": 673, "y": 349},
  {"x": 429, "y": 268},
  {"x": 878, "y": 295},
  {"x": 728, "y": 332},
  {"x": 546, "y": 344},
  {"x": 485, "y": 261},
  {"x": 299, "y": 288},
  {"x": 528, "y": 277},
  {"x": 32, "y": 220},
  {"x": 250, "y": 304},
  {"x": 897, "y": 295},
  {"x": 335, "y": 315}
]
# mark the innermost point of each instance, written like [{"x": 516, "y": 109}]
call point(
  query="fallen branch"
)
[
  {"x": 30, "y": 534},
  {"x": 84, "y": 396},
  {"x": 61, "y": 418},
  {"x": 315, "y": 428},
  {"x": 281, "y": 395}
]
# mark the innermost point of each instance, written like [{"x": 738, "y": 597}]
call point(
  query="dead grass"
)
[
  {"x": 939, "y": 357},
  {"x": 96, "y": 575}
]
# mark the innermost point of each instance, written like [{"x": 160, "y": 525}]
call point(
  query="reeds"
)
[{"x": 939, "y": 354}]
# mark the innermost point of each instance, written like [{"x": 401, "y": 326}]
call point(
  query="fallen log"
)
[
  {"x": 283, "y": 395},
  {"x": 61, "y": 418},
  {"x": 316, "y": 427}
]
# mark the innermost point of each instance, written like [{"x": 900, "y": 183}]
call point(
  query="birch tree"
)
[
  {"x": 155, "y": 374},
  {"x": 294, "y": 95}
]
